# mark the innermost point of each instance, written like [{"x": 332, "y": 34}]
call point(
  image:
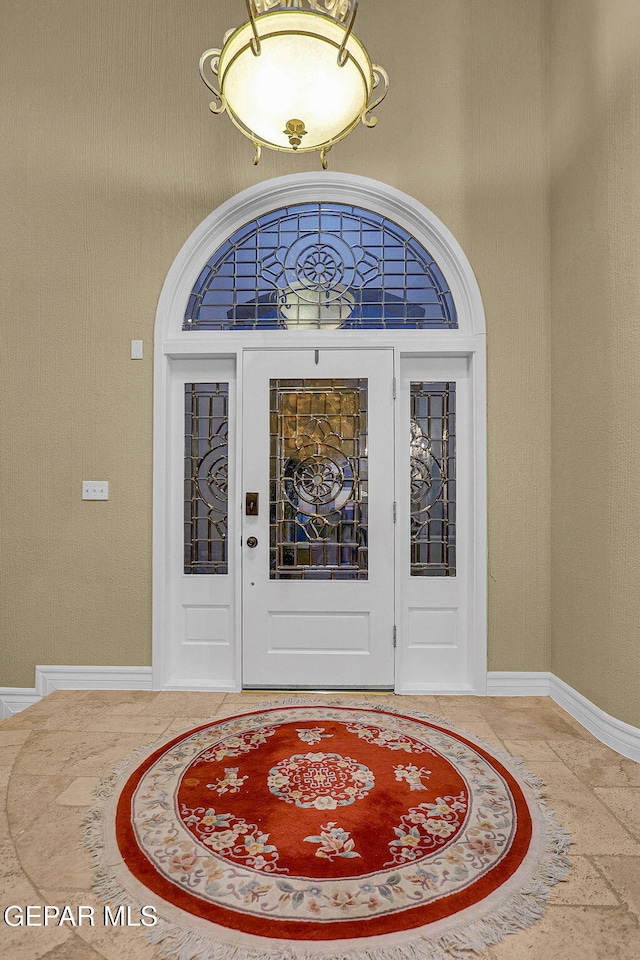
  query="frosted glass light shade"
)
[
  {"x": 295, "y": 79},
  {"x": 302, "y": 307}
]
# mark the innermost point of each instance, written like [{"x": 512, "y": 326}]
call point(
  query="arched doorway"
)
[{"x": 319, "y": 474}]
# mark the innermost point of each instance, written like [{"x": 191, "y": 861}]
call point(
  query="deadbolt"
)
[
  {"x": 251, "y": 504},
  {"x": 252, "y": 542}
]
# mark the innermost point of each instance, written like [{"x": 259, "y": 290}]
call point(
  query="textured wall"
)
[
  {"x": 595, "y": 238},
  {"x": 110, "y": 159}
]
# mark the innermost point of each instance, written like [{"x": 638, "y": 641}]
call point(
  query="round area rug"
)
[{"x": 326, "y": 829}]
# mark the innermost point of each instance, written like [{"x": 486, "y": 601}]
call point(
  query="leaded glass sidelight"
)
[
  {"x": 320, "y": 265},
  {"x": 206, "y": 456},
  {"x": 318, "y": 480},
  {"x": 433, "y": 479}
]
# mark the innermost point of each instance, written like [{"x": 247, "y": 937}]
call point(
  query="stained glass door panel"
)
[
  {"x": 433, "y": 479},
  {"x": 318, "y": 480},
  {"x": 318, "y": 586}
]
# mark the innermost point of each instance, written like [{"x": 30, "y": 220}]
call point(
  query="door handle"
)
[
  {"x": 251, "y": 505},
  {"x": 252, "y": 542}
]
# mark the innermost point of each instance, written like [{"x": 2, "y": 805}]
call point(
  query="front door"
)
[{"x": 318, "y": 518}]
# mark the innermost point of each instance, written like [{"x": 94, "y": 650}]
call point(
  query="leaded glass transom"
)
[
  {"x": 320, "y": 265},
  {"x": 433, "y": 479},
  {"x": 206, "y": 477}
]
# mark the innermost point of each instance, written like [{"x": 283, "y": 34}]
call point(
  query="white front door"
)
[{"x": 318, "y": 518}]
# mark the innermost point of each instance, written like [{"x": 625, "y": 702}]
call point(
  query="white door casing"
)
[
  {"x": 197, "y": 626},
  {"x": 319, "y": 633}
]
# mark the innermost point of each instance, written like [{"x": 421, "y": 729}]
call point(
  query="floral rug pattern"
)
[{"x": 417, "y": 832}]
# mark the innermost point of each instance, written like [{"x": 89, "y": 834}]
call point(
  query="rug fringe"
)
[{"x": 518, "y": 912}]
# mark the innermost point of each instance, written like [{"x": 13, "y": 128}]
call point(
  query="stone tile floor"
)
[{"x": 52, "y": 755}]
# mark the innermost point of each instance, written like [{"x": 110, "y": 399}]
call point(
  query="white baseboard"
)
[
  {"x": 621, "y": 737},
  {"x": 50, "y": 678},
  {"x": 519, "y": 684},
  {"x": 195, "y": 687},
  {"x": 15, "y": 699}
]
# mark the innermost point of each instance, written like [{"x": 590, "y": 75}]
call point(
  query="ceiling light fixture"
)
[{"x": 295, "y": 77}]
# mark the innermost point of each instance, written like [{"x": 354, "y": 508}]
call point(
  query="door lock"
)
[
  {"x": 251, "y": 504},
  {"x": 252, "y": 542}
]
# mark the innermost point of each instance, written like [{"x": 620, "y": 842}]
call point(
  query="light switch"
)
[
  {"x": 95, "y": 489},
  {"x": 136, "y": 349}
]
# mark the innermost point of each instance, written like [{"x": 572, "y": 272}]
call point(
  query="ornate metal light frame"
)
[{"x": 294, "y": 77}]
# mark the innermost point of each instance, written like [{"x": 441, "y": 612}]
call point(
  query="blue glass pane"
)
[{"x": 320, "y": 265}]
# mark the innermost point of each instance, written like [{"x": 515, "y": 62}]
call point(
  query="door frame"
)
[{"x": 174, "y": 345}]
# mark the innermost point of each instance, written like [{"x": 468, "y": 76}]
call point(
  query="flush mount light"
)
[{"x": 295, "y": 78}]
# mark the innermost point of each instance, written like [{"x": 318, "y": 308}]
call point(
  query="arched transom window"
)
[{"x": 321, "y": 265}]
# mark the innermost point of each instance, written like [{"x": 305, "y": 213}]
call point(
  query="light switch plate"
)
[
  {"x": 136, "y": 349},
  {"x": 95, "y": 489}
]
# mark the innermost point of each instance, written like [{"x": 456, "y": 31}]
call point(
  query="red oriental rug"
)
[{"x": 312, "y": 830}]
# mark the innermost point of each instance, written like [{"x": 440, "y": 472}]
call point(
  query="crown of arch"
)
[{"x": 452, "y": 306}]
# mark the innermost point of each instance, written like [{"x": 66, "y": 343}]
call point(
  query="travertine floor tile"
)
[
  {"x": 463, "y": 710},
  {"x": 532, "y": 723},
  {"x": 597, "y": 764},
  {"x": 108, "y": 942},
  {"x": 128, "y": 708},
  {"x": 73, "y": 949},
  {"x": 173, "y": 703},
  {"x": 582, "y": 732},
  {"x": 462, "y": 703},
  {"x": 119, "y": 943},
  {"x": 119, "y": 696},
  {"x": 73, "y": 695},
  {"x": 9, "y": 738},
  {"x": 77, "y": 753},
  {"x": 532, "y": 751},
  {"x": 51, "y": 850},
  {"x": 593, "y": 828},
  {"x": 29, "y": 943},
  {"x": 574, "y": 933},
  {"x": 54, "y": 702},
  {"x": 136, "y": 723},
  {"x": 25, "y": 720},
  {"x": 584, "y": 886},
  {"x": 482, "y": 730},
  {"x": 178, "y": 725},
  {"x": 100, "y": 719},
  {"x": 512, "y": 703},
  {"x": 623, "y": 873},
  {"x": 625, "y": 803},
  {"x": 8, "y": 754},
  {"x": 10, "y": 867},
  {"x": 79, "y": 793},
  {"x": 4, "y": 824},
  {"x": 8, "y": 757},
  {"x": 29, "y": 794},
  {"x": 232, "y": 707}
]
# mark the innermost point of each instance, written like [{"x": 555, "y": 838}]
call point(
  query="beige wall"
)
[
  {"x": 110, "y": 158},
  {"x": 595, "y": 239}
]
